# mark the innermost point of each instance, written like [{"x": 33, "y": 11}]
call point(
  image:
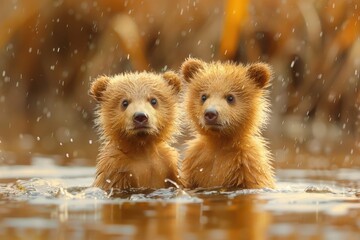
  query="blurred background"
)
[{"x": 50, "y": 51}]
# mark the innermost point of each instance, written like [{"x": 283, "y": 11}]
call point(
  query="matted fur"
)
[
  {"x": 231, "y": 152},
  {"x": 130, "y": 157}
]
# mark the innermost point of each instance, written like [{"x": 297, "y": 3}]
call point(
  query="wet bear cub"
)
[
  {"x": 136, "y": 119},
  {"x": 227, "y": 105}
]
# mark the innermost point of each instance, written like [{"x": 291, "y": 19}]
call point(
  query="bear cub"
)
[
  {"x": 136, "y": 119},
  {"x": 227, "y": 105}
]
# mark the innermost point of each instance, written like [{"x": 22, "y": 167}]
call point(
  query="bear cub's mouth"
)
[
  {"x": 141, "y": 128},
  {"x": 214, "y": 126}
]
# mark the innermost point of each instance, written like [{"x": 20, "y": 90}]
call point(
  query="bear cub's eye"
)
[
  {"x": 203, "y": 98},
  {"x": 153, "y": 101},
  {"x": 230, "y": 98},
  {"x": 125, "y": 103}
]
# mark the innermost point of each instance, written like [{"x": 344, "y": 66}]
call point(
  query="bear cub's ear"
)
[
  {"x": 190, "y": 67},
  {"x": 98, "y": 87},
  {"x": 173, "y": 79},
  {"x": 260, "y": 73}
]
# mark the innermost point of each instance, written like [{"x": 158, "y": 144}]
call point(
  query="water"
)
[{"x": 48, "y": 201}]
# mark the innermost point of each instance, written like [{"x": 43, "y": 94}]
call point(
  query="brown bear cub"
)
[
  {"x": 227, "y": 105},
  {"x": 136, "y": 118}
]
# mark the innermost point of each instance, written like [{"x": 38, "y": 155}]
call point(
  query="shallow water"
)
[{"x": 47, "y": 201}]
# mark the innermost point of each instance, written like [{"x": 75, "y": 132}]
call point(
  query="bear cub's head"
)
[
  {"x": 226, "y": 98},
  {"x": 137, "y": 107}
]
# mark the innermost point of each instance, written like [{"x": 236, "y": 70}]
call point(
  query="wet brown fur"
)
[
  {"x": 233, "y": 153},
  {"x": 130, "y": 157}
]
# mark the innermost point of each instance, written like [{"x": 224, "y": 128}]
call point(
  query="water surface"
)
[{"x": 44, "y": 200}]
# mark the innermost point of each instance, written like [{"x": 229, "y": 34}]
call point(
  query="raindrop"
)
[
  {"x": 201, "y": 169},
  {"x": 67, "y": 155},
  {"x": 71, "y": 140},
  {"x": 30, "y": 50},
  {"x": 108, "y": 180},
  {"x": 52, "y": 67},
  {"x": 165, "y": 68},
  {"x": 90, "y": 141},
  {"x": 292, "y": 64},
  {"x": 277, "y": 36},
  {"x": 9, "y": 47},
  {"x": 3, "y": 73},
  {"x": 128, "y": 56},
  {"x": 38, "y": 138}
]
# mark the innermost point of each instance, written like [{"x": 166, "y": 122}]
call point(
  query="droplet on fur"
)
[
  {"x": 130, "y": 175},
  {"x": 201, "y": 169},
  {"x": 108, "y": 181}
]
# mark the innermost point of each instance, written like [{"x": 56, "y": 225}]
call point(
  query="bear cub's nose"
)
[
  {"x": 211, "y": 115},
  {"x": 140, "y": 118}
]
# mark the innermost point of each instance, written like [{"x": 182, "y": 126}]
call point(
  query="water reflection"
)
[
  {"x": 216, "y": 216},
  {"x": 210, "y": 219}
]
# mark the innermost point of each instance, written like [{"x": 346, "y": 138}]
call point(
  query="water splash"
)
[{"x": 72, "y": 186}]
